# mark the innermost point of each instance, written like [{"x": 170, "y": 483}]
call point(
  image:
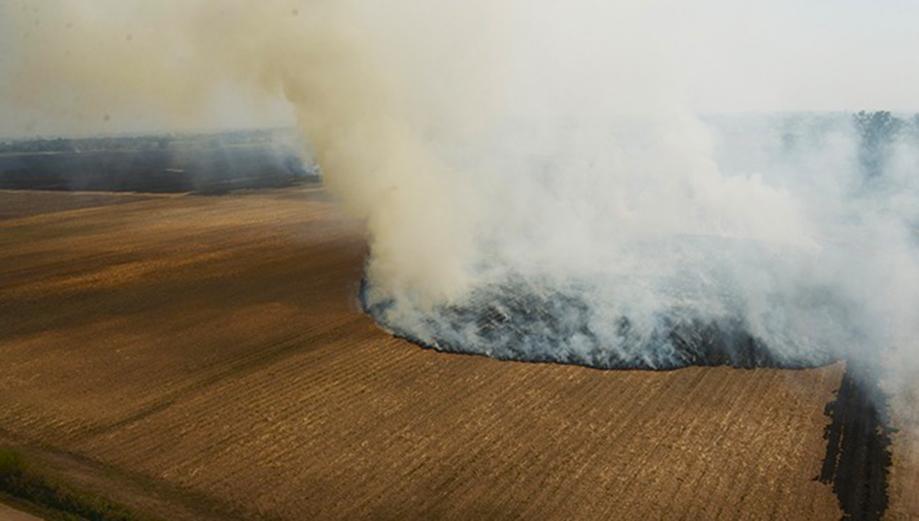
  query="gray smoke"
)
[
  {"x": 785, "y": 247},
  {"x": 536, "y": 178}
]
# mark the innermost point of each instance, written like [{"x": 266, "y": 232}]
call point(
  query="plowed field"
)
[{"x": 205, "y": 358}]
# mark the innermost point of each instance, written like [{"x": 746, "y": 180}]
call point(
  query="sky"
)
[
  {"x": 805, "y": 55},
  {"x": 721, "y": 56}
]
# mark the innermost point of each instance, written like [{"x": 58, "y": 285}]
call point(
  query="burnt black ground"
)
[
  {"x": 156, "y": 171},
  {"x": 514, "y": 324},
  {"x": 858, "y": 446},
  {"x": 205, "y": 164}
]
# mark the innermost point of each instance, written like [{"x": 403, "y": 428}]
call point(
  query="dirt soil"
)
[
  {"x": 11, "y": 514},
  {"x": 22, "y": 203},
  {"x": 205, "y": 358}
]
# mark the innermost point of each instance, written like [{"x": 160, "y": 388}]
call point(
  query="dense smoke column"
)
[
  {"x": 704, "y": 300},
  {"x": 534, "y": 176}
]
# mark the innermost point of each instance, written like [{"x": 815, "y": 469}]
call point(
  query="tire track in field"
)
[{"x": 236, "y": 368}]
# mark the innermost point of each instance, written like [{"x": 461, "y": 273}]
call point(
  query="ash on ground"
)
[{"x": 510, "y": 322}]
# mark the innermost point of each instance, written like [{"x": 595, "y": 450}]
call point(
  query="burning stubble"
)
[{"x": 535, "y": 179}]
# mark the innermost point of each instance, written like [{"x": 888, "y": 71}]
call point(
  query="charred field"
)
[
  {"x": 509, "y": 321},
  {"x": 206, "y": 358},
  {"x": 858, "y": 437},
  {"x": 200, "y": 163},
  {"x": 338, "y": 260}
]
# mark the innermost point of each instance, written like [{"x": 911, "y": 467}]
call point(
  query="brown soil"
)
[
  {"x": 204, "y": 357},
  {"x": 904, "y": 470},
  {"x": 23, "y": 203},
  {"x": 11, "y": 514}
]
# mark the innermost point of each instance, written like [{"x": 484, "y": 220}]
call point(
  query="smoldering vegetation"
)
[
  {"x": 548, "y": 189},
  {"x": 201, "y": 163},
  {"x": 511, "y": 324},
  {"x": 703, "y": 312}
]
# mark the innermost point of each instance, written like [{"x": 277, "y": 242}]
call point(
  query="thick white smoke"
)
[{"x": 535, "y": 177}]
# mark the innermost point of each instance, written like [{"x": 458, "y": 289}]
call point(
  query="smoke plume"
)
[{"x": 536, "y": 178}]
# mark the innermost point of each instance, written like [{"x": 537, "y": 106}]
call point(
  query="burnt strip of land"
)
[
  {"x": 858, "y": 447},
  {"x": 206, "y": 164}
]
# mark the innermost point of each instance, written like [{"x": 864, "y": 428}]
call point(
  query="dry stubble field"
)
[{"x": 205, "y": 358}]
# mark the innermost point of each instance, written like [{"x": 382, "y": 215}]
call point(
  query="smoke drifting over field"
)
[{"x": 535, "y": 178}]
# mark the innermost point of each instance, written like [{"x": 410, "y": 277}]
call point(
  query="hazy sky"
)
[
  {"x": 723, "y": 56},
  {"x": 804, "y": 55}
]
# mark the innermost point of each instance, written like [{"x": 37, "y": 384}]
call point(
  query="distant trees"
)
[{"x": 877, "y": 132}]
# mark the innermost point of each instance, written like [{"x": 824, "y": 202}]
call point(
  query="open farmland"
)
[
  {"x": 205, "y": 358},
  {"x": 8, "y": 514},
  {"x": 22, "y": 203}
]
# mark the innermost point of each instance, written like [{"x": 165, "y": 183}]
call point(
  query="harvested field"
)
[
  {"x": 205, "y": 358},
  {"x": 9, "y": 514},
  {"x": 904, "y": 470},
  {"x": 23, "y": 203}
]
